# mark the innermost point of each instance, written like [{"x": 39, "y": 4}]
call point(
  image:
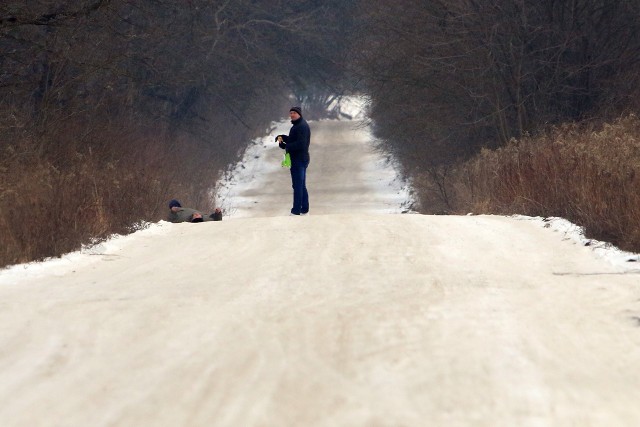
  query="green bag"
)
[{"x": 286, "y": 161}]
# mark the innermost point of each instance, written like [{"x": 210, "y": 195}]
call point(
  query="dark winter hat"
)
[
  {"x": 174, "y": 204},
  {"x": 296, "y": 109}
]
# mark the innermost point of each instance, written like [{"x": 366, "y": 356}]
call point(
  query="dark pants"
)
[{"x": 299, "y": 184}]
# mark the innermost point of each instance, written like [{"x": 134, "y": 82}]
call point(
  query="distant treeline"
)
[{"x": 447, "y": 78}]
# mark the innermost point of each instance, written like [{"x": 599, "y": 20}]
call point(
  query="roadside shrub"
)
[
  {"x": 585, "y": 173},
  {"x": 62, "y": 190}
]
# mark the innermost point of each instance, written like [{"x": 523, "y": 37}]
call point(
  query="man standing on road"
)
[{"x": 297, "y": 145}]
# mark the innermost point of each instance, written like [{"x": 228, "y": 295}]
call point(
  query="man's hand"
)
[{"x": 279, "y": 138}]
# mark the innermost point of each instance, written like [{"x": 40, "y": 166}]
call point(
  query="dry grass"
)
[
  {"x": 588, "y": 175},
  {"x": 61, "y": 190}
]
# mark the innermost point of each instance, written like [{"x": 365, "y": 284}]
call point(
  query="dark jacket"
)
[{"x": 297, "y": 142}]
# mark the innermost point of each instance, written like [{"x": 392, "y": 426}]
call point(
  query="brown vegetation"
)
[
  {"x": 589, "y": 176},
  {"x": 53, "y": 200}
]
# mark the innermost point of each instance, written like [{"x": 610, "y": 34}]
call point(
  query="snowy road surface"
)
[{"x": 341, "y": 318}]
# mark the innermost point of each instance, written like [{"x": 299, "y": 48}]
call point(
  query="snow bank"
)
[
  {"x": 607, "y": 251},
  {"x": 87, "y": 255}
]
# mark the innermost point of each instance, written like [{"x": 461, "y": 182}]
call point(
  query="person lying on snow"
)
[{"x": 179, "y": 214}]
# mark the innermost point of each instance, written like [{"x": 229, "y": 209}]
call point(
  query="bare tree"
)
[{"x": 455, "y": 76}]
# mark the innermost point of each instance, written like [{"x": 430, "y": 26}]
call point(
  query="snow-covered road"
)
[{"x": 351, "y": 316}]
